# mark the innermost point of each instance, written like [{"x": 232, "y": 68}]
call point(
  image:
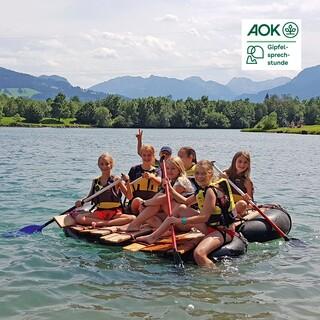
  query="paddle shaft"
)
[
  {"x": 173, "y": 235},
  {"x": 85, "y": 200},
  {"x": 275, "y": 227}
]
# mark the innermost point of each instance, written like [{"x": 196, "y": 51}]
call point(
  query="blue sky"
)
[{"x": 92, "y": 41}]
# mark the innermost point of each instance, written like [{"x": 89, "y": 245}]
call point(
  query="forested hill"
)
[{"x": 41, "y": 88}]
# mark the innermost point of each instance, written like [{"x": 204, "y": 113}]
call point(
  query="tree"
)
[
  {"x": 180, "y": 116},
  {"x": 217, "y": 120},
  {"x": 86, "y": 114},
  {"x": 312, "y": 114},
  {"x": 59, "y": 106},
  {"x": 33, "y": 113},
  {"x": 121, "y": 122},
  {"x": 102, "y": 117},
  {"x": 113, "y": 103},
  {"x": 268, "y": 122},
  {"x": 10, "y": 108}
]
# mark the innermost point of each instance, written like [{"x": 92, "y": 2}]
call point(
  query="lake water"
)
[{"x": 49, "y": 276}]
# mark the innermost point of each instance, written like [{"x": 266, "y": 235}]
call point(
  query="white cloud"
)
[
  {"x": 159, "y": 44},
  {"x": 105, "y": 53},
  {"x": 168, "y": 18},
  {"x": 194, "y": 32},
  {"x": 90, "y": 43},
  {"x": 51, "y": 43}
]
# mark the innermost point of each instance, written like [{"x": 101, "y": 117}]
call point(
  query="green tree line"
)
[{"x": 164, "y": 112}]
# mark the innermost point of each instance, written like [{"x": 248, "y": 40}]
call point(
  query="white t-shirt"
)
[{"x": 185, "y": 183}]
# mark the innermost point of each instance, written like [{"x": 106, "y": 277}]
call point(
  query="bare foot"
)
[{"x": 146, "y": 239}]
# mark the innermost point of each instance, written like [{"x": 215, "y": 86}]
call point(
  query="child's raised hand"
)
[{"x": 139, "y": 134}]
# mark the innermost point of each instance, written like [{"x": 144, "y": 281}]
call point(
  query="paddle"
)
[
  {"x": 274, "y": 226},
  {"x": 176, "y": 256},
  {"x": 34, "y": 228}
]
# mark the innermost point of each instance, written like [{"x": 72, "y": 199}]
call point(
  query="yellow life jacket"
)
[
  {"x": 190, "y": 171},
  {"x": 110, "y": 199},
  {"x": 143, "y": 188},
  {"x": 224, "y": 206}
]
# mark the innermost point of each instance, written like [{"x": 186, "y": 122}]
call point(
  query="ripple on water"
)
[{"x": 49, "y": 276}]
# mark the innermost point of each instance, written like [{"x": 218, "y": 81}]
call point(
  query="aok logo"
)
[
  {"x": 289, "y": 30},
  {"x": 264, "y": 30}
]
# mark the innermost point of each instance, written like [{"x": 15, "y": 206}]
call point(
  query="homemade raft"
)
[{"x": 254, "y": 230}]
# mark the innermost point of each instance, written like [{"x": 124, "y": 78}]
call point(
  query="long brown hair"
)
[{"x": 232, "y": 171}]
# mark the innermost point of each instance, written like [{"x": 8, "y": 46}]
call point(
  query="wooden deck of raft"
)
[{"x": 110, "y": 236}]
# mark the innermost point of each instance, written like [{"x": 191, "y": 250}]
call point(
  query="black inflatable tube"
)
[
  {"x": 259, "y": 230},
  {"x": 235, "y": 248}
]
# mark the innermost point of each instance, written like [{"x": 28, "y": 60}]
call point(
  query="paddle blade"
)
[
  {"x": 294, "y": 242},
  {"x": 34, "y": 228},
  {"x": 178, "y": 262},
  {"x": 31, "y": 229}
]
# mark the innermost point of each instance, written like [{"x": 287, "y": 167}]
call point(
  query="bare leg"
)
[
  {"x": 183, "y": 211},
  {"x": 154, "y": 222},
  {"x": 146, "y": 214},
  {"x": 154, "y": 236},
  {"x": 118, "y": 220},
  {"x": 211, "y": 242},
  {"x": 87, "y": 219}
]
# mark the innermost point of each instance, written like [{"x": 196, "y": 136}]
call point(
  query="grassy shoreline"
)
[
  {"x": 69, "y": 123},
  {"x": 312, "y": 129},
  {"x": 56, "y": 123}
]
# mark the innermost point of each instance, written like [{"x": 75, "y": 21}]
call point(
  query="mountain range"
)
[
  {"x": 15, "y": 83},
  {"x": 304, "y": 85},
  {"x": 195, "y": 87}
]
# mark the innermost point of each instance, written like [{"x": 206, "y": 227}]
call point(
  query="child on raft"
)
[
  {"x": 154, "y": 210},
  {"x": 239, "y": 174},
  {"x": 145, "y": 178},
  {"x": 165, "y": 151},
  {"x": 189, "y": 158},
  {"x": 109, "y": 210},
  {"x": 215, "y": 219}
]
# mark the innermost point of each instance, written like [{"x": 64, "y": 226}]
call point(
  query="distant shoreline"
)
[{"x": 306, "y": 130}]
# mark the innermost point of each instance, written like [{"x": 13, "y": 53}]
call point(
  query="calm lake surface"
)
[{"x": 48, "y": 276}]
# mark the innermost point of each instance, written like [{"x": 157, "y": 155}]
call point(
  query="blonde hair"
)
[
  {"x": 178, "y": 163},
  {"x": 206, "y": 165},
  {"x": 107, "y": 156},
  {"x": 148, "y": 148}
]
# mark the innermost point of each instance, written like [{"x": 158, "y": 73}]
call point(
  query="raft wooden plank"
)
[
  {"x": 64, "y": 220},
  {"x": 134, "y": 247},
  {"x": 77, "y": 227},
  {"x": 98, "y": 231},
  {"x": 157, "y": 247},
  {"x": 182, "y": 247},
  {"x": 184, "y": 243},
  {"x": 123, "y": 237},
  {"x": 183, "y": 237}
]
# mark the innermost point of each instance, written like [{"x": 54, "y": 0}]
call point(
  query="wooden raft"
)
[{"x": 110, "y": 236}]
